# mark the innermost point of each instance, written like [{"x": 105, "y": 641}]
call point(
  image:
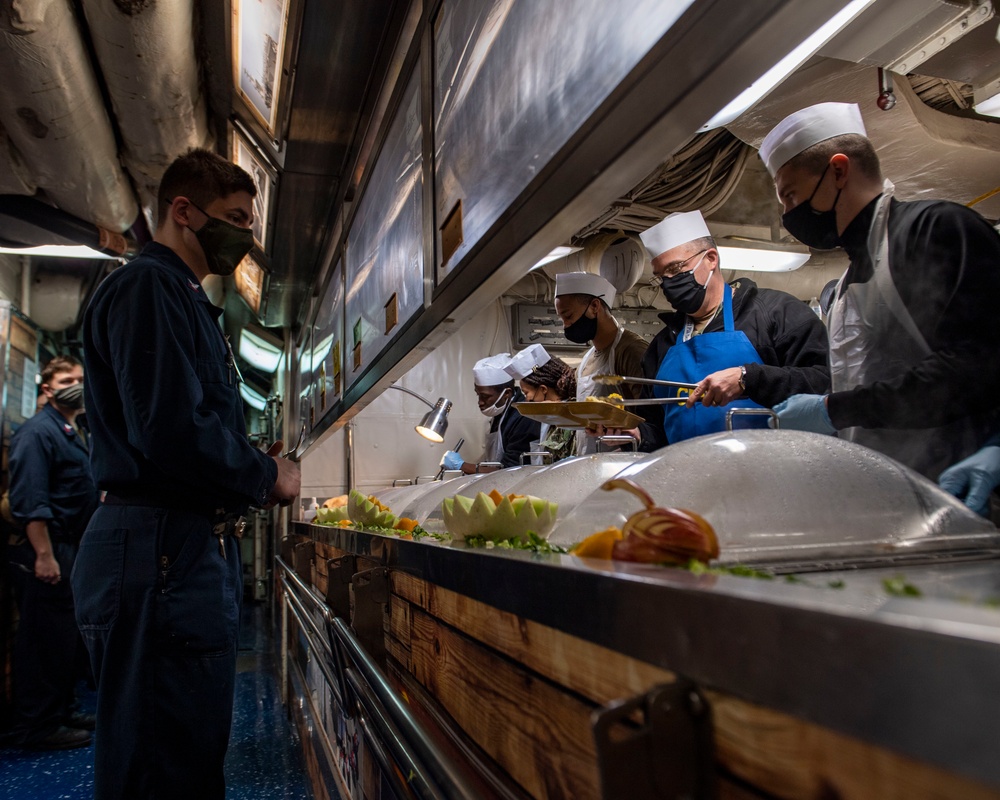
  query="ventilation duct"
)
[
  {"x": 14, "y": 175},
  {"x": 146, "y": 54},
  {"x": 54, "y": 113},
  {"x": 928, "y": 154}
]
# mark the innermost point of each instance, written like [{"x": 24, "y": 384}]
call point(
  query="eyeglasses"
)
[{"x": 673, "y": 268}]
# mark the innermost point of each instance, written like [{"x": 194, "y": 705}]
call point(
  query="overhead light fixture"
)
[
  {"x": 252, "y": 397},
  {"x": 58, "y": 251},
  {"x": 435, "y": 422},
  {"x": 760, "y": 88},
  {"x": 758, "y": 255},
  {"x": 258, "y": 351},
  {"x": 986, "y": 98},
  {"x": 556, "y": 254}
]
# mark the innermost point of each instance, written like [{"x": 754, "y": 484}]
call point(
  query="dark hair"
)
[
  {"x": 203, "y": 177},
  {"x": 587, "y": 299},
  {"x": 856, "y": 147},
  {"x": 58, "y": 364},
  {"x": 556, "y": 375}
]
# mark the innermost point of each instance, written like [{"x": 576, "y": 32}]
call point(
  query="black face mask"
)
[
  {"x": 223, "y": 243},
  {"x": 817, "y": 229},
  {"x": 583, "y": 330},
  {"x": 684, "y": 292},
  {"x": 70, "y": 397}
]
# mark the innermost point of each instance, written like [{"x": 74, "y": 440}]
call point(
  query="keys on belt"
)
[{"x": 234, "y": 526}]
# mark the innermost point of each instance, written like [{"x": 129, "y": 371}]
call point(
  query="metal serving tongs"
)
[
  {"x": 614, "y": 380},
  {"x": 293, "y": 454}
]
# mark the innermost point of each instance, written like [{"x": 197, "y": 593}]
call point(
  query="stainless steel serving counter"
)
[{"x": 913, "y": 675}]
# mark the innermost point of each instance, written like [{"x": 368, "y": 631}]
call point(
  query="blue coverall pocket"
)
[
  {"x": 199, "y": 596},
  {"x": 97, "y": 578}
]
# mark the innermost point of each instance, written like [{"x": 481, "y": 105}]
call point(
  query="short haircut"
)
[
  {"x": 555, "y": 374},
  {"x": 586, "y": 299},
  {"x": 203, "y": 177},
  {"x": 856, "y": 147},
  {"x": 498, "y": 387},
  {"x": 58, "y": 364},
  {"x": 704, "y": 243}
]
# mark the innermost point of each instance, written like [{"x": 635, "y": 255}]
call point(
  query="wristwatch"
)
[{"x": 743, "y": 379}]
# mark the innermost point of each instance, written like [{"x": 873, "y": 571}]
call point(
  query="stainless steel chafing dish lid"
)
[{"x": 789, "y": 497}]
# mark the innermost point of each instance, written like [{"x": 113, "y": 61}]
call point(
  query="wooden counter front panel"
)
[{"x": 523, "y": 692}]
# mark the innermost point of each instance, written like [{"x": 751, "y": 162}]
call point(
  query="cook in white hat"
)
[
  {"x": 716, "y": 337},
  {"x": 510, "y": 434},
  {"x": 913, "y": 322},
  {"x": 583, "y": 303}
]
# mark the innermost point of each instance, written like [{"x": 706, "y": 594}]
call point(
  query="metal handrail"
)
[{"x": 432, "y": 769}]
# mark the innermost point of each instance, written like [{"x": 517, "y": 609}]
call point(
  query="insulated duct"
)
[
  {"x": 54, "y": 113},
  {"x": 14, "y": 175},
  {"x": 146, "y": 54}
]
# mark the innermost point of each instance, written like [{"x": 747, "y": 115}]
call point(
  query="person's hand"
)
[
  {"x": 973, "y": 478},
  {"x": 718, "y": 389},
  {"x": 289, "y": 480},
  {"x": 47, "y": 569},
  {"x": 452, "y": 460},
  {"x": 805, "y": 412}
]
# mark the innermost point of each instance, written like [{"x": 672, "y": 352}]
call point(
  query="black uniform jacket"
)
[
  {"x": 789, "y": 338},
  {"x": 518, "y": 433},
  {"x": 944, "y": 260}
]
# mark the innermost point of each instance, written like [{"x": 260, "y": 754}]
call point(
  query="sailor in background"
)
[
  {"x": 742, "y": 346},
  {"x": 913, "y": 328},
  {"x": 510, "y": 434},
  {"x": 545, "y": 379},
  {"x": 584, "y": 302}
]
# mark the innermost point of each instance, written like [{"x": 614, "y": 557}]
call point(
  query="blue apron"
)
[{"x": 692, "y": 360}]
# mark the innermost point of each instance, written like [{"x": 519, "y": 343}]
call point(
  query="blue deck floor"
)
[{"x": 264, "y": 760}]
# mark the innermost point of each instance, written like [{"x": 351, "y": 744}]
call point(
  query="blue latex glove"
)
[
  {"x": 805, "y": 412},
  {"x": 452, "y": 460},
  {"x": 974, "y": 478}
]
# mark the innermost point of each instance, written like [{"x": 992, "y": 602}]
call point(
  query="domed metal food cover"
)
[{"x": 795, "y": 499}]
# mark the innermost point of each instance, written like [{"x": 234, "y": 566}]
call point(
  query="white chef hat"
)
[
  {"x": 585, "y": 283},
  {"x": 675, "y": 229},
  {"x": 524, "y": 363},
  {"x": 803, "y": 129},
  {"x": 489, "y": 371}
]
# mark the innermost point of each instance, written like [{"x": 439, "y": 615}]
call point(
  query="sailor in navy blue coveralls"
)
[
  {"x": 159, "y": 591},
  {"x": 158, "y": 582},
  {"x": 50, "y": 482}
]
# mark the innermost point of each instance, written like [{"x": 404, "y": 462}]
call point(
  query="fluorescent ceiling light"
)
[
  {"x": 795, "y": 59},
  {"x": 555, "y": 255},
  {"x": 259, "y": 352},
  {"x": 58, "y": 251},
  {"x": 986, "y": 99},
  {"x": 752, "y": 255},
  {"x": 253, "y": 398}
]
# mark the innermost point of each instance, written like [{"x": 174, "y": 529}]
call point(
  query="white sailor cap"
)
[
  {"x": 675, "y": 229},
  {"x": 585, "y": 283},
  {"x": 527, "y": 361},
  {"x": 803, "y": 129},
  {"x": 489, "y": 371}
]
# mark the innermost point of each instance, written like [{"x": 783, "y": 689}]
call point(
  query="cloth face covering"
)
[
  {"x": 583, "y": 330},
  {"x": 814, "y": 228},
  {"x": 683, "y": 290},
  {"x": 69, "y": 396},
  {"x": 223, "y": 243}
]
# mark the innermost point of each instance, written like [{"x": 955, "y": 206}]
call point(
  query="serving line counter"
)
[{"x": 549, "y": 675}]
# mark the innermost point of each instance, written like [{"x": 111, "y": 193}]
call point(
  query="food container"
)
[{"x": 798, "y": 500}]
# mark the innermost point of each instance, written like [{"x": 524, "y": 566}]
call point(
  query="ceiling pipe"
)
[
  {"x": 27, "y": 222},
  {"x": 54, "y": 113},
  {"x": 146, "y": 54}
]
